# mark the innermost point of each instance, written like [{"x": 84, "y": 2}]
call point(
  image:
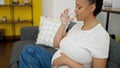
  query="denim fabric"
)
[{"x": 35, "y": 57}]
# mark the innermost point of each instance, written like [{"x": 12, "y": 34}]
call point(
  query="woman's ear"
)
[{"x": 92, "y": 7}]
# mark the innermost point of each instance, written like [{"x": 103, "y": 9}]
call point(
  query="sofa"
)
[{"x": 28, "y": 35}]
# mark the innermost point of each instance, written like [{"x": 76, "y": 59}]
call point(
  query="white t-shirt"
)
[{"x": 81, "y": 45}]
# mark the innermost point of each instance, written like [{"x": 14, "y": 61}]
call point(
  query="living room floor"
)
[{"x": 5, "y": 52}]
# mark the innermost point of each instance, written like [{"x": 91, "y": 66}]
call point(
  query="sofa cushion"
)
[{"x": 114, "y": 54}]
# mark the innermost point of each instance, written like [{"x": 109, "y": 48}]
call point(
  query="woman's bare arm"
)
[
  {"x": 59, "y": 35},
  {"x": 99, "y": 63},
  {"x": 65, "y": 19}
]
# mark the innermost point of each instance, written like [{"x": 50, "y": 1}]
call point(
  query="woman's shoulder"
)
[
  {"x": 99, "y": 29},
  {"x": 101, "y": 35}
]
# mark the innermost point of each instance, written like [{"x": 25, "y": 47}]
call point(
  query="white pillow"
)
[{"x": 47, "y": 30}]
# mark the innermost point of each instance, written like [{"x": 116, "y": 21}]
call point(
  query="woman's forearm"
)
[
  {"x": 65, "y": 19},
  {"x": 59, "y": 35},
  {"x": 73, "y": 64}
]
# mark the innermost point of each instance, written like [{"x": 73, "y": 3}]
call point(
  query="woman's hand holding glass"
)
[{"x": 65, "y": 18}]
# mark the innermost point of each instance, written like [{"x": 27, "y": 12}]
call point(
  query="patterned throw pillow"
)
[{"x": 48, "y": 28}]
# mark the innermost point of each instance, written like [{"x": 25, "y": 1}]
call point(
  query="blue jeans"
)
[{"x": 35, "y": 57}]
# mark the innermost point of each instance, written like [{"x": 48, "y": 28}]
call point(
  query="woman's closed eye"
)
[{"x": 78, "y": 7}]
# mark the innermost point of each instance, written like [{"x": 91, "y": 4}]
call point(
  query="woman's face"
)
[{"x": 82, "y": 9}]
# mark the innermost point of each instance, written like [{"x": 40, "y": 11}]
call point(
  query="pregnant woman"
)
[{"x": 86, "y": 45}]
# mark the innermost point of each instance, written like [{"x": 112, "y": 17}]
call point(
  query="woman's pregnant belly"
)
[{"x": 79, "y": 55}]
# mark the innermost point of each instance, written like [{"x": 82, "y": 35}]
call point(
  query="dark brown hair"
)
[{"x": 99, "y": 4}]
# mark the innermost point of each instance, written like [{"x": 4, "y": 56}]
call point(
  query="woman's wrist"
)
[{"x": 64, "y": 24}]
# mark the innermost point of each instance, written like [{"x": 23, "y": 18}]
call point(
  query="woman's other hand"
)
[
  {"x": 65, "y": 60},
  {"x": 60, "y": 61}
]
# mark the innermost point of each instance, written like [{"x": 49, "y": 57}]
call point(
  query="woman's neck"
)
[{"x": 90, "y": 23}]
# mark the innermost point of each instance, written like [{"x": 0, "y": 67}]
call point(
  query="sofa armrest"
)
[
  {"x": 114, "y": 55},
  {"x": 16, "y": 50},
  {"x": 29, "y": 33}
]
